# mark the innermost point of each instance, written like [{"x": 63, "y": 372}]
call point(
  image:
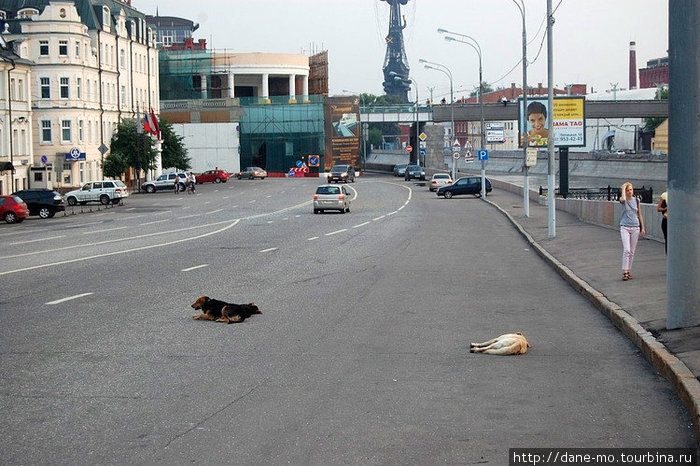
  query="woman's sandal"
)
[{"x": 626, "y": 276}]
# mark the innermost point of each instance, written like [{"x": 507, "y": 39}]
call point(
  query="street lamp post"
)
[
  {"x": 526, "y": 182},
  {"x": 476, "y": 48},
  {"x": 445, "y": 70}
]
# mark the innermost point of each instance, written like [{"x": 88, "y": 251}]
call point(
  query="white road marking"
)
[
  {"x": 35, "y": 240},
  {"x": 268, "y": 250},
  {"x": 101, "y": 231},
  {"x": 195, "y": 267},
  {"x": 378, "y": 218},
  {"x": 155, "y": 221},
  {"x": 312, "y": 238},
  {"x": 124, "y": 251},
  {"x": 69, "y": 298},
  {"x": 336, "y": 232},
  {"x": 361, "y": 225}
]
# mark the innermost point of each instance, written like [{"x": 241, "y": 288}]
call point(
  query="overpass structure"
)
[
  {"x": 396, "y": 113},
  {"x": 499, "y": 112}
]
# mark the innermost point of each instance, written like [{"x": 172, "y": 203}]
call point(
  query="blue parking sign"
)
[{"x": 482, "y": 154}]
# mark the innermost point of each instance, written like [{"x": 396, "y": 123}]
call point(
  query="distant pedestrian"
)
[
  {"x": 177, "y": 184},
  {"x": 663, "y": 208},
  {"x": 631, "y": 225},
  {"x": 191, "y": 182}
]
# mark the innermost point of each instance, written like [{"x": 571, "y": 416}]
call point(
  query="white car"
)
[
  {"x": 104, "y": 192},
  {"x": 438, "y": 180}
]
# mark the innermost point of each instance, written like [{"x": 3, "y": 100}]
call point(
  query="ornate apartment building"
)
[{"x": 93, "y": 63}]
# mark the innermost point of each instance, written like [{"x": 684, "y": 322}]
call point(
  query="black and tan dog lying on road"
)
[{"x": 221, "y": 311}]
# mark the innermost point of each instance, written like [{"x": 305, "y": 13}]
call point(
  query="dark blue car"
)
[{"x": 464, "y": 185}]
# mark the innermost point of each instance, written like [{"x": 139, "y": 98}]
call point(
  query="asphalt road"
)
[{"x": 361, "y": 355}]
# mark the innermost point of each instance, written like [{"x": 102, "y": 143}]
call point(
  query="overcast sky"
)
[{"x": 591, "y": 38}]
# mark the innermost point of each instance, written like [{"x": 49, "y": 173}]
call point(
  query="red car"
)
[
  {"x": 13, "y": 209},
  {"x": 212, "y": 176}
]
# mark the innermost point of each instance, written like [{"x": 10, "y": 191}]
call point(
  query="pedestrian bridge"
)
[{"x": 405, "y": 113}]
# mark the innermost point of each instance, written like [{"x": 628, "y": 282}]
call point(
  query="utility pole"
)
[{"x": 683, "y": 281}]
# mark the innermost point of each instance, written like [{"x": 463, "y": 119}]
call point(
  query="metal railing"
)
[{"x": 646, "y": 195}]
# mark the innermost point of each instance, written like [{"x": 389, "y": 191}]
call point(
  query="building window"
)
[
  {"x": 45, "y": 88},
  {"x": 12, "y": 89},
  {"x": 44, "y": 48},
  {"x": 65, "y": 130},
  {"x": 46, "y": 131},
  {"x": 27, "y": 13},
  {"x": 79, "y": 88},
  {"x": 63, "y": 48},
  {"x": 20, "y": 89},
  {"x": 77, "y": 49},
  {"x": 81, "y": 131},
  {"x": 122, "y": 58},
  {"x": 64, "y": 88}
]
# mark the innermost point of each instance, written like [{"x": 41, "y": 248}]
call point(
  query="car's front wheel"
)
[
  {"x": 45, "y": 212},
  {"x": 150, "y": 189},
  {"x": 448, "y": 194},
  {"x": 104, "y": 199},
  {"x": 72, "y": 201}
]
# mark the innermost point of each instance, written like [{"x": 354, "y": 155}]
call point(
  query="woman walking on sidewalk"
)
[
  {"x": 663, "y": 208},
  {"x": 631, "y": 225}
]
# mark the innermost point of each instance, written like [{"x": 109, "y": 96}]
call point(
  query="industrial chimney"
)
[{"x": 633, "y": 65}]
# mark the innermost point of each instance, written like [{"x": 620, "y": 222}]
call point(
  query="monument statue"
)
[{"x": 396, "y": 81}]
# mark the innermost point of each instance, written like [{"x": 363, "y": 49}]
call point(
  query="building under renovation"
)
[{"x": 244, "y": 109}]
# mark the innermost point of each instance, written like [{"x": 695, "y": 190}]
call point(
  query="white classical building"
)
[{"x": 94, "y": 63}]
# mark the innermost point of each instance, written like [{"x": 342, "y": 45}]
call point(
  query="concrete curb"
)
[{"x": 682, "y": 380}]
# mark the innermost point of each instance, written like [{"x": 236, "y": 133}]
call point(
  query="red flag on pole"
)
[{"x": 154, "y": 124}]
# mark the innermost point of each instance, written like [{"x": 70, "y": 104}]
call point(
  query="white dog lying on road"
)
[{"x": 509, "y": 343}]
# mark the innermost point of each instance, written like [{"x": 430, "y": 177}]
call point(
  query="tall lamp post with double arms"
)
[
  {"x": 443, "y": 69},
  {"x": 477, "y": 48}
]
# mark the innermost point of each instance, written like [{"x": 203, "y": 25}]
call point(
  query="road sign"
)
[
  {"x": 422, "y": 152},
  {"x": 531, "y": 157},
  {"x": 290, "y": 173},
  {"x": 299, "y": 163},
  {"x": 482, "y": 154},
  {"x": 314, "y": 160},
  {"x": 103, "y": 149},
  {"x": 456, "y": 143},
  {"x": 44, "y": 159},
  {"x": 409, "y": 148},
  {"x": 456, "y": 154},
  {"x": 422, "y": 136}
]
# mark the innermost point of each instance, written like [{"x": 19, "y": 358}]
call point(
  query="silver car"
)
[
  {"x": 104, "y": 192},
  {"x": 329, "y": 197}
]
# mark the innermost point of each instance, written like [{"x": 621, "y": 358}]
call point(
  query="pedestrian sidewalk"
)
[{"x": 589, "y": 257}]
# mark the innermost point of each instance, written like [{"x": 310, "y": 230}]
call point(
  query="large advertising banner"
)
[
  {"x": 342, "y": 128},
  {"x": 566, "y": 122}
]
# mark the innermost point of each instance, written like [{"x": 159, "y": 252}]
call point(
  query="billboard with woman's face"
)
[{"x": 565, "y": 123}]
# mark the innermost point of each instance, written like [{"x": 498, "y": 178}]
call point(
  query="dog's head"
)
[
  {"x": 254, "y": 309},
  {"x": 200, "y": 302}
]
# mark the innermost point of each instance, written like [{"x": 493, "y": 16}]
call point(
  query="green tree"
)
[
  {"x": 174, "y": 153},
  {"x": 650, "y": 124},
  {"x": 129, "y": 148},
  {"x": 375, "y": 137},
  {"x": 487, "y": 88}
]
